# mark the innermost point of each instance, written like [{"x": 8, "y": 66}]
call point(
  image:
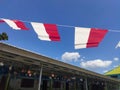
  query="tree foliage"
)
[{"x": 3, "y": 36}]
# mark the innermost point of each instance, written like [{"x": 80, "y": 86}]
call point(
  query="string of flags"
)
[{"x": 83, "y": 38}]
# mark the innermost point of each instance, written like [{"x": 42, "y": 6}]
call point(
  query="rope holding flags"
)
[{"x": 84, "y": 37}]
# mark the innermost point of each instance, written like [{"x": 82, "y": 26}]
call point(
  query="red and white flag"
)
[
  {"x": 118, "y": 45},
  {"x": 48, "y": 32},
  {"x": 88, "y": 37},
  {"x": 15, "y": 24}
]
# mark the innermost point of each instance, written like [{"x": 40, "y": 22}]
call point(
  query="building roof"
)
[
  {"x": 16, "y": 56},
  {"x": 114, "y": 71}
]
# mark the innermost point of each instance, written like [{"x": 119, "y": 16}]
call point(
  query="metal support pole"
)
[
  {"x": 8, "y": 78},
  {"x": 7, "y": 81},
  {"x": 106, "y": 87},
  {"x": 119, "y": 87},
  {"x": 51, "y": 81},
  {"x": 40, "y": 78},
  {"x": 86, "y": 84},
  {"x": 75, "y": 85}
]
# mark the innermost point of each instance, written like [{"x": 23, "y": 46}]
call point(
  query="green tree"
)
[{"x": 3, "y": 36}]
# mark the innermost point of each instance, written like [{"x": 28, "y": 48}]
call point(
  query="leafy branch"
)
[{"x": 3, "y": 36}]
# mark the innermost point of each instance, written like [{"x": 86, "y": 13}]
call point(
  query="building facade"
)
[{"x": 24, "y": 70}]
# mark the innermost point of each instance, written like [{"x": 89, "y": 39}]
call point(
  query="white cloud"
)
[
  {"x": 105, "y": 71},
  {"x": 115, "y": 66},
  {"x": 82, "y": 60},
  {"x": 98, "y": 63},
  {"x": 116, "y": 59},
  {"x": 70, "y": 56}
]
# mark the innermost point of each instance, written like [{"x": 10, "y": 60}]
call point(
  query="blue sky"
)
[{"x": 83, "y": 13}]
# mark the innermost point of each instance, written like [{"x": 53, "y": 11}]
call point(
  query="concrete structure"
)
[{"x": 25, "y": 70}]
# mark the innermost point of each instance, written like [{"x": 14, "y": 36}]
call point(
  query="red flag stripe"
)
[
  {"x": 20, "y": 24},
  {"x": 52, "y": 30},
  {"x": 1, "y": 21},
  {"x": 95, "y": 37}
]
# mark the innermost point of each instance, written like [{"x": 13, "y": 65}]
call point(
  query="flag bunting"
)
[{"x": 84, "y": 37}]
